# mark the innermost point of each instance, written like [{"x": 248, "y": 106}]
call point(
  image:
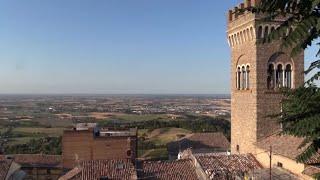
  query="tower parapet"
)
[
  {"x": 243, "y": 25},
  {"x": 236, "y": 11}
]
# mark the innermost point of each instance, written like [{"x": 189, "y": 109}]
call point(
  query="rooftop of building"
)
[
  {"x": 200, "y": 141},
  {"x": 102, "y": 132},
  {"x": 224, "y": 166},
  {"x": 179, "y": 169},
  {"x": 36, "y": 160},
  {"x": 276, "y": 174},
  {"x": 4, "y": 166},
  {"x": 99, "y": 169},
  {"x": 287, "y": 146},
  {"x": 311, "y": 170}
]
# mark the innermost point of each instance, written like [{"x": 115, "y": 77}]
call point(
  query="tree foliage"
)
[
  {"x": 299, "y": 28},
  {"x": 301, "y": 117},
  {"x": 45, "y": 145}
]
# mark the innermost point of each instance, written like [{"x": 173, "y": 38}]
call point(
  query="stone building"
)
[
  {"x": 38, "y": 166},
  {"x": 258, "y": 71},
  {"x": 102, "y": 170},
  {"x": 169, "y": 170},
  {"x": 97, "y": 144},
  {"x": 9, "y": 170}
]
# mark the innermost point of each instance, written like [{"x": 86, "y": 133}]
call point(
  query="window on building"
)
[
  {"x": 272, "y": 29},
  {"x": 288, "y": 76},
  {"x": 243, "y": 78},
  {"x": 271, "y": 78},
  {"x": 241, "y": 37},
  {"x": 259, "y": 32},
  {"x": 290, "y": 31},
  {"x": 279, "y": 164},
  {"x": 238, "y": 148},
  {"x": 238, "y": 76},
  {"x": 247, "y": 77},
  {"x": 266, "y": 31},
  {"x": 279, "y": 76},
  {"x": 128, "y": 152},
  {"x": 251, "y": 33},
  {"x": 248, "y": 35}
]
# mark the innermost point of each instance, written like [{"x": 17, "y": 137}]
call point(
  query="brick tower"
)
[{"x": 258, "y": 71}]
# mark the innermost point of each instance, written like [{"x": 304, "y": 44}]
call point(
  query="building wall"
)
[
  {"x": 288, "y": 164},
  {"x": 243, "y": 102},
  {"x": 42, "y": 173},
  {"x": 82, "y": 145},
  {"x": 76, "y": 145},
  {"x": 251, "y": 108},
  {"x": 269, "y": 101}
]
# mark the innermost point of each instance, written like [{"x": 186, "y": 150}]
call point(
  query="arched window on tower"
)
[
  {"x": 271, "y": 77},
  {"x": 247, "y": 77},
  {"x": 241, "y": 37},
  {"x": 266, "y": 32},
  {"x": 279, "y": 76},
  {"x": 238, "y": 76},
  {"x": 290, "y": 31},
  {"x": 259, "y": 35},
  {"x": 251, "y": 33},
  {"x": 272, "y": 29},
  {"x": 243, "y": 78},
  {"x": 288, "y": 76}
]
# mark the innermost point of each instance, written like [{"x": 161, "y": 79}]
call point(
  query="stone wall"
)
[
  {"x": 82, "y": 145},
  {"x": 251, "y": 108}
]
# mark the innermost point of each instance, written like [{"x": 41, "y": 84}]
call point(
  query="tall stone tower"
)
[{"x": 258, "y": 71}]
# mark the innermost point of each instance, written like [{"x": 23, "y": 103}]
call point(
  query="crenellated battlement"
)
[
  {"x": 234, "y": 13},
  {"x": 242, "y": 25}
]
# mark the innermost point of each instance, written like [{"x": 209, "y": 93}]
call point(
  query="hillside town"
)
[{"x": 168, "y": 137}]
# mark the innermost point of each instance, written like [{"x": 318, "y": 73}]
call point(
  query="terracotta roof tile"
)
[
  {"x": 4, "y": 167},
  {"x": 37, "y": 160},
  {"x": 315, "y": 159},
  {"x": 286, "y": 145},
  {"x": 311, "y": 170},
  {"x": 73, "y": 174},
  {"x": 175, "y": 170},
  {"x": 200, "y": 141},
  {"x": 276, "y": 173},
  {"x": 224, "y": 166},
  {"x": 96, "y": 169}
]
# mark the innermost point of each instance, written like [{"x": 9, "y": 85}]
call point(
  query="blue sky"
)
[{"x": 114, "y": 46}]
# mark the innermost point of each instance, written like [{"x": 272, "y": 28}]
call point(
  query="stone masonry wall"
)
[{"x": 251, "y": 109}]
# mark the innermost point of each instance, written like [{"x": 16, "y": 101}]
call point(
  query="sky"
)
[{"x": 114, "y": 46}]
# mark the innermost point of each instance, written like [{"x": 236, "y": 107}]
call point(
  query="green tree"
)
[{"x": 300, "y": 29}]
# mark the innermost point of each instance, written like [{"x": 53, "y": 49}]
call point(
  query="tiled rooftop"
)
[
  {"x": 224, "y": 166},
  {"x": 97, "y": 169},
  {"x": 4, "y": 166},
  {"x": 311, "y": 170},
  {"x": 73, "y": 174},
  {"x": 175, "y": 170},
  {"x": 37, "y": 160},
  {"x": 199, "y": 141},
  {"x": 287, "y": 146},
  {"x": 276, "y": 173}
]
